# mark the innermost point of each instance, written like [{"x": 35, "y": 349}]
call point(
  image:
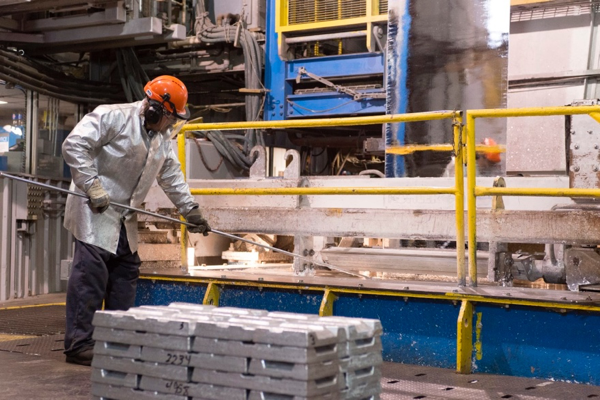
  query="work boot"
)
[{"x": 82, "y": 358}]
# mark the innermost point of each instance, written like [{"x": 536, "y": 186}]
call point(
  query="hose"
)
[
  {"x": 372, "y": 172},
  {"x": 208, "y": 32}
]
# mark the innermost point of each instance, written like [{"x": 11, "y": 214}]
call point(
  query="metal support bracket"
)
[
  {"x": 211, "y": 298},
  {"x": 258, "y": 170},
  {"x": 293, "y": 169},
  {"x": 326, "y": 308},
  {"x": 464, "y": 338},
  {"x": 338, "y": 88},
  {"x": 497, "y": 201}
]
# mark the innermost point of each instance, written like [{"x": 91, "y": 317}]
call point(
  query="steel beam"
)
[
  {"x": 111, "y": 15},
  {"x": 14, "y": 7},
  {"x": 569, "y": 227},
  {"x": 8, "y": 23},
  {"x": 137, "y": 27},
  {"x": 439, "y": 262}
]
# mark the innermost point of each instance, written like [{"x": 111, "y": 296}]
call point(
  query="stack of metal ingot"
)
[{"x": 186, "y": 351}]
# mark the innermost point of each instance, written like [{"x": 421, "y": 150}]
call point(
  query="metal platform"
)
[{"x": 531, "y": 333}]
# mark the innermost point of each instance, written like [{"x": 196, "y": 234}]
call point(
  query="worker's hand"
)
[
  {"x": 195, "y": 217},
  {"x": 99, "y": 199}
]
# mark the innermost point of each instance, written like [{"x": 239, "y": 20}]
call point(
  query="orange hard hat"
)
[
  {"x": 491, "y": 156},
  {"x": 171, "y": 93}
]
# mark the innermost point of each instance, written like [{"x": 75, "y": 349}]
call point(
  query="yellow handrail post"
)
[
  {"x": 212, "y": 295},
  {"x": 464, "y": 338},
  {"x": 459, "y": 200},
  {"x": 184, "y": 233},
  {"x": 471, "y": 200},
  {"x": 326, "y": 308}
]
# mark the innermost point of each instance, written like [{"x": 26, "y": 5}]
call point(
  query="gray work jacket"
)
[{"x": 112, "y": 145}]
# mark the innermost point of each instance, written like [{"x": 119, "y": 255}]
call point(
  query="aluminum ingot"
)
[
  {"x": 195, "y": 390},
  {"x": 171, "y": 342},
  {"x": 306, "y": 388},
  {"x": 142, "y": 368},
  {"x": 166, "y": 322},
  {"x": 280, "y": 369},
  {"x": 301, "y": 355},
  {"x": 202, "y": 360},
  {"x": 115, "y": 378},
  {"x": 361, "y": 377},
  {"x": 116, "y": 392},
  {"x": 259, "y": 395},
  {"x": 360, "y": 361},
  {"x": 117, "y": 349}
]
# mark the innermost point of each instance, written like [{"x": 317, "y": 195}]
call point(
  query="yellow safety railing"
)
[
  {"x": 457, "y": 190},
  {"x": 461, "y": 137},
  {"x": 473, "y": 190}
]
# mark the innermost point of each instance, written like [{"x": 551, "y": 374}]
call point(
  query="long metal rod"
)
[
  {"x": 307, "y": 191},
  {"x": 310, "y": 260},
  {"x": 328, "y": 36},
  {"x": 66, "y": 191},
  {"x": 177, "y": 221}
]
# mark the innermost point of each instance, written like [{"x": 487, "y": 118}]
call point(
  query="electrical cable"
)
[
  {"x": 208, "y": 32},
  {"x": 203, "y": 158}
]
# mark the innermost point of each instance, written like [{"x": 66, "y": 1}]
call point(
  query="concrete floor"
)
[{"x": 43, "y": 374}]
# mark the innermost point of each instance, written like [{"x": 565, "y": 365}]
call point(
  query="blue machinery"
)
[
  {"x": 370, "y": 57},
  {"x": 310, "y": 26}
]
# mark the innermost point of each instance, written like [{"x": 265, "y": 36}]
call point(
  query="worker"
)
[
  {"x": 115, "y": 154},
  {"x": 488, "y": 161}
]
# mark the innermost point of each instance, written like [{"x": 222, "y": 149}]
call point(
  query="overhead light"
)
[{"x": 3, "y": 102}]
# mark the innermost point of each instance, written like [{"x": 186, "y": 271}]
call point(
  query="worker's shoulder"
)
[{"x": 117, "y": 109}]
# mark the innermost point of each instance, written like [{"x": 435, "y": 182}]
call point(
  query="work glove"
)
[
  {"x": 99, "y": 199},
  {"x": 195, "y": 217}
]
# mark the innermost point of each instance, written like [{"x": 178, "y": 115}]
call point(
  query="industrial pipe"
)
[{"x": 327, "y": 36}]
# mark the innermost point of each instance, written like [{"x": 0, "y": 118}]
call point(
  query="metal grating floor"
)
[
  {"x": 46, "y": 347},
  {"x": 405, "y": 382},
  {"x": 36, "y": 320}
]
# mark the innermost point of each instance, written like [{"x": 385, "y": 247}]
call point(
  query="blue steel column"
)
[
  {"x": 274, "y": 70},
  {"x": 396, "y": 71}
]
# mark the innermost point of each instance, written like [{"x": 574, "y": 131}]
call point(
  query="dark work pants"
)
[{"x": 98, "y": 275}]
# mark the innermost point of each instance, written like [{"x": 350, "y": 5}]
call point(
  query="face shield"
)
[{"x": 176, "y": 127}]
